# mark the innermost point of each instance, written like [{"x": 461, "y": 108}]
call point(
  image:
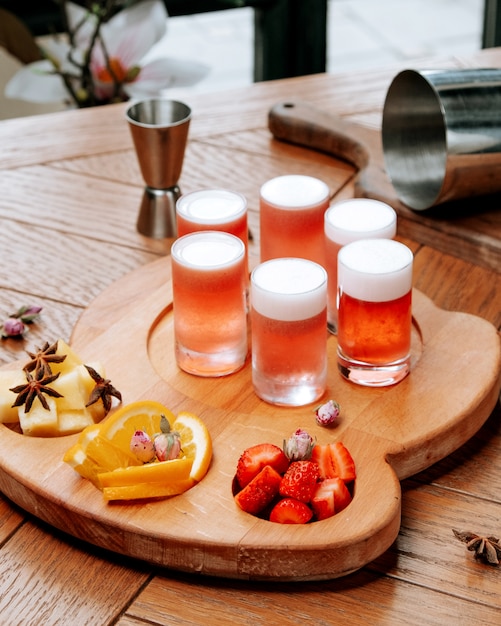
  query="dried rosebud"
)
[
  {"x": 299, "y": 446},
  {"x": 326, "y": 414},
  {"x": 142, "y": 446},
  {"x": 167, "y": 447},
  {"x": 13, "y": 327},
  {"x": 167, "y": 444},
  {"x": 28, "y": 314}
]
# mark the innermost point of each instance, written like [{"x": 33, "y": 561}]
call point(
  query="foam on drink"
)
[
  {"x": 294, "y": 191},
  {"x": 209, "y": 250},
  {"x": 211, "y": 206},
  {"x": 289, "y": 289},
  {"x": 375, "y": 270},
  {"x": 360, "y": 218}
]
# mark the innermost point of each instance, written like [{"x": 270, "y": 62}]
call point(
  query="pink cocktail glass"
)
[
  {"x": 289, "y": 335},
  {"x": 374, "y": 314},
  {"x": 292, "y": 211},
  {"x": 347, "y": 221},
  {"x": 209, "y": 283}
]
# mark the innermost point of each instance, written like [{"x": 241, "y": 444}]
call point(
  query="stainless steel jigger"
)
[{"x": 159, "y": 130}]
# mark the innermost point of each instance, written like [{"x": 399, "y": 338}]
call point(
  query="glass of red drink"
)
[
  {"x": 209, "y": 283},
  {"x": 289, "y": 334},
  {"x": 291, "y": 214},
  {"x": 347, "y": 221},
  {"x": 374, "y": 312}
]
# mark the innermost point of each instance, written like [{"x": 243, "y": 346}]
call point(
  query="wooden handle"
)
[{"x": 303, "y": 124}]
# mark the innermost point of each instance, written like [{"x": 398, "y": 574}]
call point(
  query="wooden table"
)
[{"x": 69, "y": 195}]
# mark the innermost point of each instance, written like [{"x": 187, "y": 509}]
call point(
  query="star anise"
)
[
  {"x": 43, "y": 357},
  {"x": 487, "y": 549},
  {"x": 35, "y": 387},
  {"x": 103, "y": 389}
]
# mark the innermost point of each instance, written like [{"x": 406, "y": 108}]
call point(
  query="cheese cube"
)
[
  {"x": 75, "y": 386},
  {"x": 70, "y": 362},
  {"x": 39, "y": 422},
  {"x": 8, "y": 379},
  {"x": 70, "y": 422}
]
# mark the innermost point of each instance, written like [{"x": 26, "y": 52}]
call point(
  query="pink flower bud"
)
[
  {"x": 13, "y": 327},
  {"x": 326, "y": 414},
  {"x": 299, "y": 446},
  {"x": 167, "y": 446},
  {"x": 28, "y": 314},
  {"x": 142, "y": 446}
]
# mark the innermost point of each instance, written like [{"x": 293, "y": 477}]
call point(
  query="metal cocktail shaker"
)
[{"x": 442, "y": 135}]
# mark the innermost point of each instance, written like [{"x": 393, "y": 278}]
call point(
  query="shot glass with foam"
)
[
  {"x": 213, "y": 209},
  {"x": 209, "y": 285},
  {"x": 291, "y": 217},
  {"x": 348, "y": 221},
  {"x": 374, "y": 314},
  {"x": 289, "y": 334}
]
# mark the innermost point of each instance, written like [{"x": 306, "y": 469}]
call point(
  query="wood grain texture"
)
[
  {"x": 469, "y": 288},
  {"x": 10, "y": 519},
  {"x": 425, "y": 549},
  {"x": 366, "y": 597},
  {"x": 38, "y": 570},
  {"x": 479, "y": 457},
  {"x": 392, "y": 433}
]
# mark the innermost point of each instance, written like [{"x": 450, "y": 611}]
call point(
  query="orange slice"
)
[
  {"x": 172, "y": 472},
  {"x": 102, "y": 453},
  {"x": 142, "y": 415},
  {"x": 82, "y": 464},
  {"x": 92, "y": 454},
  {"x": 196, "y": 443},
  {"x": 141, "y": 491}
]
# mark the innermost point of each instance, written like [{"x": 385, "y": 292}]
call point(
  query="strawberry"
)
[
  {"x": 334, "y": 461},
  {"x": 291, "y": 511},
  {"x": 256, "y": 457},
  {"x": 331, "y": 496},
  {"x": 261, "y": 490},
  {"x": 300, "y": 480}
]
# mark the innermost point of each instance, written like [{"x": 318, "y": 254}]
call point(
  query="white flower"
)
[{"x": 117, "y": 64}]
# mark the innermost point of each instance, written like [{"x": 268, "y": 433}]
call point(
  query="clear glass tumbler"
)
[
  {"x": 209, "y": 284},
  {"x": 289, "y": 331},
  {"x": 374, "y": 313}
]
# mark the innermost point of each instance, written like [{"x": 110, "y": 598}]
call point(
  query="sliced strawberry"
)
[
  {"x": 291, "y": 511},
  {"x": 300, "y": 480},
  {"x": 256, "y": 457},
  {"x": 330, "y": 497},
  {"x": 334, "y": 461},
  {"x": 259, "y": 493}
]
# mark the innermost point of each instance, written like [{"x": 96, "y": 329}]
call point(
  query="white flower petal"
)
[
  {"x": 130, "y": 34},
  {"x": 150, "y": 14},
  {"x": 164, "y": 73},
  {"x": 58, "y": 50},
  {"x": 81, "y": 22},
  {"x": 35, "y": 83}
]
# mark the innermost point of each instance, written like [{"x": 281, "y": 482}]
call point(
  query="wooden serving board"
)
[{"x": 392, "y": 433}]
